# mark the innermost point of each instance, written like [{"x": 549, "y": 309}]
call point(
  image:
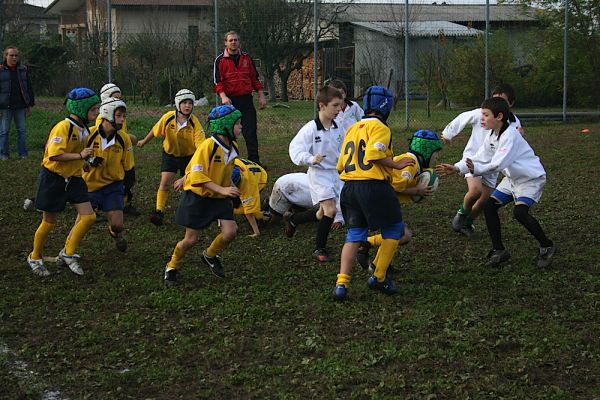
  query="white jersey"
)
[
  {"x": 294, "y": 189},
  {"x": 478, "y": 133},
  {"x": 313, "y": 139},
  {"x": 351, "y": 113},
  {"x": 508, "y": 153}
]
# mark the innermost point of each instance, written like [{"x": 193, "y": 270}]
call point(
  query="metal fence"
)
[{"x": 438, "y": 58}]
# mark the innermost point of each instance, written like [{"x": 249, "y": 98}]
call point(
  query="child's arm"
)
[
  {"x": 459, "y": 123},
  {"x": 390, "y": 163},
  {"x": 149, "y": 137},
  {"x": 252, "y": 221},
  {"x": 229, "y": 191},
  {"x": 301, "y": 147}
]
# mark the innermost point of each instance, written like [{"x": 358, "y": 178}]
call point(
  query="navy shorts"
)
[
  {"x": 197, "y": 212},
  {"x": 109, "y": 198},
  {"x": 174, "y": 164},
  {"x": 371, "y": 204},
  {"x": 54, "y": 191}
]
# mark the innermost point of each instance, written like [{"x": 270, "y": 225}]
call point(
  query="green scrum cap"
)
[
  {"x": 424, "y": 143},
  {"x": 222, "y": 119},
  {"x": 80, "y": 100}
]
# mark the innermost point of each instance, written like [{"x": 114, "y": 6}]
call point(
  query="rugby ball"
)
[{"x": 428, "y": 178}]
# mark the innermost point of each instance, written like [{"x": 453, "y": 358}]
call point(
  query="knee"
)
[
  {"x": 116, "y": 228},
  {"x": 229, "y": 234},
  {"x": 491, "y": 205},
  {"x": 406, "y": 237},
  {"x": 521, "y": 212},
  {"x": 188, "y": 242}
]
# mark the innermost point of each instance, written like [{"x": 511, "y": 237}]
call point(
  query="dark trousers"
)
[{"x": 246, "y": 107}]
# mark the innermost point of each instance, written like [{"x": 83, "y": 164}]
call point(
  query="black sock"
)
[
  {"x": 521, "y": 213},
  {"x": 303, "y": 217},
  {"x": 492, "y": 221},
  {"x": 323, "y": 231}
]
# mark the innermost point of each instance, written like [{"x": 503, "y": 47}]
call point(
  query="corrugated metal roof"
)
[
  {"x": 437, "y": 12},
  {"x": 165, "y": 3},
  {"x": 420, "y": 28}
]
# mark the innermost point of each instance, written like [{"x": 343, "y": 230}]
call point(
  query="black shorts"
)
[
  {"x": 54, "y": 191},
  {"x": 370, "y": 204},
  {"x": 197, "y": 212},
  {"x": 174, "y": 164}
]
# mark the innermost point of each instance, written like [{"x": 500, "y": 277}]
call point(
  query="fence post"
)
[
  {"x": 406, "y": 100},
  {"x": 487, "y": 49},
  {"x": 109, "y": 38},
  {"x": 315, "y": 55},
  {"x": 565, "y": 60}
]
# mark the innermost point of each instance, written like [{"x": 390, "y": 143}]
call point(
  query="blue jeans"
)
[{"x": 6, "y": 116}]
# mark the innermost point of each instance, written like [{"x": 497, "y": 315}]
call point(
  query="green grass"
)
[{"x": 270, "y": 329}]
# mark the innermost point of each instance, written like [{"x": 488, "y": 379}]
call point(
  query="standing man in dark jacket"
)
[
  {"x": 16, "y": 100},
  {"x": 236, "y": 77}
]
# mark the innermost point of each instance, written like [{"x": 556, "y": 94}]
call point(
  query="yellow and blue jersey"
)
[
  {"x": 117, "y": 155},
  {"x": 212, "y": 162},
  {"x": 405, "y": 178},
  {"x": 253, "y": 180},
  {"x": 179, "y": 141},
  {"x": 65, "y": 137},
  {"x": 367, "y": 140}
]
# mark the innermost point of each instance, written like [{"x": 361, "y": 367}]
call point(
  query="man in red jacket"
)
[{"x": 235, "y": 78}]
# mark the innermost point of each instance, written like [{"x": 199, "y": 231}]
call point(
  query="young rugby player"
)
[
  {"x": 208, "y": 192},
  {"x": 368, "y": 200},
  {"x": 106, "y": 173},
  {"x": 112, "y": 90},
  {"x": 251, "y": 179},
  {"x": 318, "y": 145},
  {"x": 350, "y": 111},
  {"x": 478, "y": 192},
  {"x": 424, "y": 148},
  {"x": 182, "y": 134},
  {"x": 505, "y": 150},
  {"x": 60, "y": 180}
]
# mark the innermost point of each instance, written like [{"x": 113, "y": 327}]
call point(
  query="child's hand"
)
[
  {"x": 178, "y": 184},
  {"x": 336, "y": 226},
  {"x": 445, "y": 169},
  {"x": 470, "y": 165},
  {"x": 141, "y": 143},
  {"x": 405, "y": 162},
  {"x": 318, "y": 158},
  {"x": 85, "y": 153},
  {"x": 231, "y": 191},
  {"x": 256, "y": 234}
]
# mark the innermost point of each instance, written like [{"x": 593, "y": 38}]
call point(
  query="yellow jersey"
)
[
  {"x": 366, "y": 140},
  {"x": 67, "y": 136},
  {"x": 212, "y": 162},
  {"x": 179, "y": 140},
  {"x": 117, "y": 155},
  {"x": 253, "y": 180},
  {"x": 405, "y": 178}
]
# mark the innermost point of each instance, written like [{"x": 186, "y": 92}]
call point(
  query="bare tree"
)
[{"x": 279, "y": 33}]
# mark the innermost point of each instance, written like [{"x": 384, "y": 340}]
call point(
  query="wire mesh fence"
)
[{"x": 439, "y": 58}]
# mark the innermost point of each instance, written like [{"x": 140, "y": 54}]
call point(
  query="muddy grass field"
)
[{"x": 270, "y": 328}]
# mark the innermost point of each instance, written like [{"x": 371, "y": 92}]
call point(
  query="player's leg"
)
[
  {"x": 162, "y": 196},
  {"x": 328, "y": 209},
  {"x": 189, "y": 240},
  {"x": 116, "y": 228},
  {"x": 497, "y": 200},
  {"x": 85, "y": 219},
  {"x": 526, "y": 196},
  {"x": 474, "y": 185}
]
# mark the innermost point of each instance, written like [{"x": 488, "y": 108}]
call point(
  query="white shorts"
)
[
  {"x": 531, "y": 189},
  {"x": 324, "y": 184},
  {"x": 487, "y": 180},
  {"x": 288, "y": 190}
]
